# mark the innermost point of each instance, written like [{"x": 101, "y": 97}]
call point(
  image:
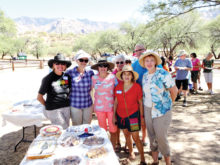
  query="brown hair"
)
[{"x": 132, "y": 80}]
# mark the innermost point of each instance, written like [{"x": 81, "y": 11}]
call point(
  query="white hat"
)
[
  {"x": 181, "y": 53},
  {"x": 82, "y": 54}
]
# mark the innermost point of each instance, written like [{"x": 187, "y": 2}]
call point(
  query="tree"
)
[
  {"x": 214, "y": 37},
  {"x": 163, "y": 10},
  {"x": 38, "y": 48},
  {"x": 7, "y": 34},
  {"x": 181, "y": 32}
]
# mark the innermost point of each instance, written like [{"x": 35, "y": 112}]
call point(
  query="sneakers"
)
[
  {"x": 211, "y": 93},
  {"x": 177, "y": 98},
  {"x": 184, "y": 103},
  {"x": 200, "y": 89}
]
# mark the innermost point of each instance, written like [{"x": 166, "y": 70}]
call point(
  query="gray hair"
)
[{"x": 117, "y": 57}]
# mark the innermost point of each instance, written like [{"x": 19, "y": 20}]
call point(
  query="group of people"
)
[
  {"x": 127, "y": 97},
  {"x": 189, "y": 71}
]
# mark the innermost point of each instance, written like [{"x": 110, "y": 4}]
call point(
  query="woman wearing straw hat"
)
[
  {"x": 159, "y": 92},
  {"x": 57, "y": 87},
  {"x": 128, "y": 109},
  {"x": 103, "y": 84},
  {"x": 81, "y": 85}
]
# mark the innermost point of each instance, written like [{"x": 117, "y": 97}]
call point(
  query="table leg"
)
[{"x": 24, "y": 140}]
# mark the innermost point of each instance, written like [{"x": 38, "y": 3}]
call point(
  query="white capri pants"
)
[
  {"x": 59, "y": 116},
  {"x": 208, "y": 77}
]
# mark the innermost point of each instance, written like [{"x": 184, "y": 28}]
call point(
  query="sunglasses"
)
[
  {"x": 122, "y": 62},
  {"x": 103, "y": 65},
  {"x": 60, "y": 63},
  {"x": 82, "y": 60},
  {"x": 139, "y": 50},
  {"x": 128, "y": 61}
]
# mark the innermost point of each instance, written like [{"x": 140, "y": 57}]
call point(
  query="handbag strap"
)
[{"x": 125, "y": 101}]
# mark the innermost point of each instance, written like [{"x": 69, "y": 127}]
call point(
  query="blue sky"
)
[{"x": 96, "y": 10}]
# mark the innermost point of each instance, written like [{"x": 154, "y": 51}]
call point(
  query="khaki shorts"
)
[{"x": 81, "y": 116}]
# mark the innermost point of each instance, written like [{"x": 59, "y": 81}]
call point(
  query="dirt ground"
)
[{"x": 194, "y": 135}]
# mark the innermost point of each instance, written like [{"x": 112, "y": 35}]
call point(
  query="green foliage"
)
[{"x": 163, "y": 10}]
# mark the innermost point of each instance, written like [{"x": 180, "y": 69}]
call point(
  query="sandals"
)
[
  {"x": 118, "y": 147},
  {"x": 143, "y": 163},
  {"x": 155, "y": 163},
  {"x": 125, "y": 149}
]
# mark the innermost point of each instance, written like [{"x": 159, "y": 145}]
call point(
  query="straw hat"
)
[
  {"x": 127, "y": 68},
  {"x": 103, "y": 61},
  {"x": 145, "y": 54},
  {"x": 59, "y": 58}
]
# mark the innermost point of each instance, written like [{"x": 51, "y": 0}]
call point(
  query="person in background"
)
[
  {"x": 207, "y": 65},
  {"x": 81, "y": 85},
  {"x": 195, "y": 71},
  {"x": 164, "y": 64},
  {"x": 127, "y": 62},
  {"x": 57, "y": 87},
  {"x": 104, "y": 83},
  {"x": 128, "y": 109},
  {"x": 119, "y": 61},
  {"x": 159, "y": 92},
  {"x": 182, "y": 67},
  {"x": 170, "y": 63},
  {"x": 139, "y": 49}
]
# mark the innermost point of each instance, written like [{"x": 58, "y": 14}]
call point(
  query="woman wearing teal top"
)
[{"x": 159, "y": 92}]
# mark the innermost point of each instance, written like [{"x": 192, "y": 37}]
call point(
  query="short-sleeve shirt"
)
[
  {"x": 81, "y": 85},
  {"x": 57, "y": 89},
  {"x": 104, "y": 92},
  {"x": 132, "y": 97},
  {"x": 208, "y": 64},
  {"x": 182, "y": 74},
  {"x": 160, "y": 96},
  {"x": 195, "y": 65},
  {"x": 140, "y": 70}
]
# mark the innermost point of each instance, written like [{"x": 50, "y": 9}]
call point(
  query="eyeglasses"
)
[
  {"x": 60, "y": 63},
  {"x": 139, "y": 50},
  {"x": 82, "y": 60},
  {"x": 122, "y": 62},
  {"x": 128, "y": 61},
  {"x": 103, "y": 65}
]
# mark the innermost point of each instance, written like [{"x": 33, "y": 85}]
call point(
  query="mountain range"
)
[{"x": 61, "y": 25}]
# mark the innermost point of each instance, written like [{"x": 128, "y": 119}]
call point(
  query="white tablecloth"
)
[
  {"x": 25, "y": 113},
  {"x": 79, "y": 150}
]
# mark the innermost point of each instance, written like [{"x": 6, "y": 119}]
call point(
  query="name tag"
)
[
  {"x": 65, "y": 78},
  {"x": 98, "y": 83},
  {"x": 119, "y": 92}
]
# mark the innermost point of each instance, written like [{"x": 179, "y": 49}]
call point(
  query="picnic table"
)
[
  {"x": 77, "y": 151},
  {"x": 24, "y": 114}
]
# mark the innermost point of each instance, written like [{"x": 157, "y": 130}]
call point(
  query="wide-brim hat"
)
[
  {"x": 127, "y": 68},
  {"x": 59, "y": 58},
  {"x": 145, "y": 54},
  {"x": 103, "y": 61}
]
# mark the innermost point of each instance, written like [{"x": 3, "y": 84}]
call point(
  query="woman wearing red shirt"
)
[{"x": 128, "y": 108}]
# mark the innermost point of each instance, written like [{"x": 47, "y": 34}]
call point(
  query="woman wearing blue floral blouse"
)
[{"x": 159, "y": 92}]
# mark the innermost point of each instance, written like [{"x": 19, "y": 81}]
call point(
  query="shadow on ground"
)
[{"x": 194, "y": 135}]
